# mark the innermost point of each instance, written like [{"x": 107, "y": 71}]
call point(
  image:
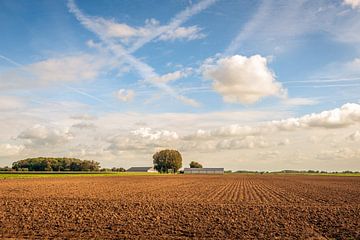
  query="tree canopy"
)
[
  {"x": 166, "y": 160},
  {"x": 55, "y": 164},
  {"x": 194, "y": 164}
]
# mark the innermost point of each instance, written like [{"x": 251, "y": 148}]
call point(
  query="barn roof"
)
[
  {"x": 139, "y": 169},
  {"x": 203, "y": 169}
]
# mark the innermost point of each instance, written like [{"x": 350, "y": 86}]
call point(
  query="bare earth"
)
[{"x": 176, "y": 207}]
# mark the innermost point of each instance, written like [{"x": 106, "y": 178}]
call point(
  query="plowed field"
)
[{"x": 181, "y": 206}]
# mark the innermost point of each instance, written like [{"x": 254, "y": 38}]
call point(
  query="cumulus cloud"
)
[
  {"x": 125, "y": 95},
  {"x": 241, "y": 79},
  {"x": 339, "y": 117},
  {"x": 352, "y": 3},
  {"x": 346, "y": 115},
  {"x": 186, "y": 33},
  {"x": 40, "y": 135},
  {"x": 7, "y": 150}
]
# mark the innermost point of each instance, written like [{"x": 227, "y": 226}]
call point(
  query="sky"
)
[{"x": 256, "y": 85}]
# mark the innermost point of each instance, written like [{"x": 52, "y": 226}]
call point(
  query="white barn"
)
[
  {"x": 142, "y": 169},
  {"x": 204, "y": 170}
]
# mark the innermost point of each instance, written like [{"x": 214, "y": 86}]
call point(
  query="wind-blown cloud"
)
[
  {"x": 82, "y": 67},
  {"x": 186, "y": 33},
  {"x": 241, "y": 79},
  {"x": 169, "y": 77}
]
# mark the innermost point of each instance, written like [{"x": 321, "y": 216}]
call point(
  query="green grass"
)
[{"x": 16, "y": 175}]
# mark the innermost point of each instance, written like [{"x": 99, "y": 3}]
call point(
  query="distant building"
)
[
  {"x": 204, "y": 170},
  {"x": 142, "y": 169}
]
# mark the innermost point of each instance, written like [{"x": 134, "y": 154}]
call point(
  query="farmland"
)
[{"x": 234, "y": 206}]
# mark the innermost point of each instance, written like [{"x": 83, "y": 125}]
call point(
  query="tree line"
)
[{"x": 55, "y": 164}]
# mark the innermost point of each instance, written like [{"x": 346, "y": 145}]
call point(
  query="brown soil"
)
[{"x": 176, "y": 207}]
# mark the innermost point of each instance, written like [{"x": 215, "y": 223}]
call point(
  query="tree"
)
[
  {"x": 194, "y": 164},
  {"x": 166, "y": 160},
  {"x": 56, "y": 164}
]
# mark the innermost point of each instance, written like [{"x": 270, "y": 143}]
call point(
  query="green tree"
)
[
  {"x": 194, "y": 164},
  {"x": 166, "y": 160},
  {"x": 56, "y": 164}
]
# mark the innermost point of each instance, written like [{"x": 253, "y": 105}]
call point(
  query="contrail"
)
[
  {"x": 84, "y": 94},
  {"x": 249, "y": 28},
  {"x": 143, "y": 69},
  {"x": 11, "y": 61},
  {"x": 325, "y": 80}
]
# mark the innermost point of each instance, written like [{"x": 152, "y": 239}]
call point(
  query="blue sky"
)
[{"x": 239, "y": 84}]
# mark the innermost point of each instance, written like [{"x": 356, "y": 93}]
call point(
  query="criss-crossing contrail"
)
[
  {"x": 145, "y": 71},
  {"x": 11, "y": 61}
]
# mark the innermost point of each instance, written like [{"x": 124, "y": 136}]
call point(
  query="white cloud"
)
[
  {"x": 10, "y": 103},
  {"x": 125, "y": 95},
  {"x": 83, "y": 117},
  {"x": 354, "y": 136},
  {"x": 187, "y": 33},
  {"x": 7, "y": 150},
  {"x": 277, "y": 25},
  {"x": 352, "y": 67},
  {"x": 75, "y": 68},
  {"x": 148, "y": 133},
  {"x": 67, "y": 69},
  {"x": 169, "y": 77},
  {"x": 84, "y": 125},
  {"x": 143, "y": 69},
  {"x": 284, "y": 142},
  {"x": 299, "y": 101},
  {"x": 246, "y": 142},
  {"x": 352, "y": 3},
  {"x": 40, "y": 135},
  {"x": 346, "y": 115},
  {"x": 142, "y": 139},
  {"x": 339, "y": 117},
  {"x": 241, "y": 79},
  {"x": 226, "y": 131},
  {"x": 339, "y": 154}
]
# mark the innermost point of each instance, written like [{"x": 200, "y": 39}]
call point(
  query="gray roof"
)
[
  {"x": 139, "y": 169},
  {"x": 203, "y": 169}
]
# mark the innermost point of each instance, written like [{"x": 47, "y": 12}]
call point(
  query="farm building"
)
[
  {"x": 142, "y": 169},
  {"x": 204, "y": 170}
]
